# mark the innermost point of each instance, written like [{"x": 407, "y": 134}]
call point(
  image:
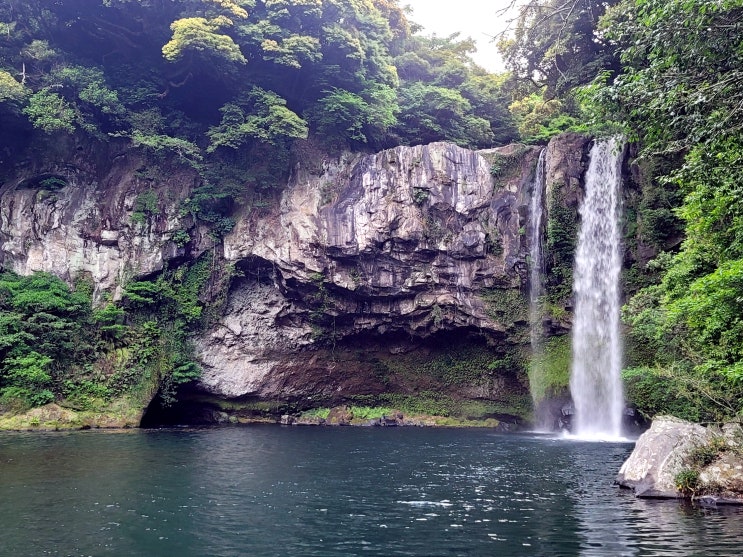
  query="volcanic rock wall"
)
[{"x": 384, "y": 254}]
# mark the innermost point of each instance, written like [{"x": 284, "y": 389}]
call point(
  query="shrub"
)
[{"x": 687, "y": 481}]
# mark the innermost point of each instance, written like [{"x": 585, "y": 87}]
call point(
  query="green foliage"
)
[
  {"x": 145, "y": 207},
  {"x": 341, "y": 114},
  {"x": 506, "y": 305},
  {"x": 110, "y": 322},
  {"x": 704, "y": 455},
  {"x": 556, "y": 44},
  {"x": 180, "y": 238},
  {"x": 562, "y": 234},
  {"x": 503, "y": 165},
  {"x": 444, "y": 97},
  {"x": 692, "y": 318},
  {"x": 653, "y": 392},
  {"x": 370, "y": 412},
  {"x": 494, "y": 242},
  {"x": 458, "y": 365},
  {"x": 50, "y": 112},
  {"x": 258, "y": 115},
  {"x": 200, "y": 35},
  {"x": 53, "y": 346},
  {"x": 85, "y": 394},
  {"x": 549, "y": 371},
  {"x": 538, "y": 119},
  {"x": 164, "y": 311},
  {"x": 681, "y": 65},
  {"x": 41, "y": 332},
  {"x": 316, "y": 413},
  {"x": 430, "y": 113},
  {"x": 420, "y": 195},
  {"x": 10, "y": 89},
  {"x": 437, "y": 404},
  {"x": 687, "y": 481},
  {"x": 186, "y": 151},
  {"x": 74, "y": 97},
  {"x": 89, "y": 87}
]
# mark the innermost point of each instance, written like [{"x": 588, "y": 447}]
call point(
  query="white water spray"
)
[
  {"x": 536, "y": 276},
  {"x": 595, "y": 381}
]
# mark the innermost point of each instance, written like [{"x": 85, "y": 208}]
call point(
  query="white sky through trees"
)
[{"x": 479, "y": 19}]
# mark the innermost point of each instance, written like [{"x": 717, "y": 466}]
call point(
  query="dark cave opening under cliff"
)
[
  {"x": 463, "y": 371},
  {"x": 189, "y": 409}
]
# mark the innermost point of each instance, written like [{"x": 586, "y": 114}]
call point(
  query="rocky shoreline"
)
[
  {"x": 53, "y": 417},
  {"x": 679, "y": 459}
]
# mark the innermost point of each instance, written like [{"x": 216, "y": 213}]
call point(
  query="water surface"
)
[{"x": 270, "y": 491}]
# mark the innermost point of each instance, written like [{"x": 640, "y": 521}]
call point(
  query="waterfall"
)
[
  {"x": 536, "y": 280},
  {"x": 595, "y": 382}
]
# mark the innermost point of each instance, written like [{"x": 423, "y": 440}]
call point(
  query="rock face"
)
[
  {"x": 406, "y": 247},
  {"x": 69, "y": 211},
  {"x": 403, "y": 255},
  {"x": 674, "y": 447}
]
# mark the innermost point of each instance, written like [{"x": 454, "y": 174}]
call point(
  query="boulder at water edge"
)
[{"x": 676, "y": 458}]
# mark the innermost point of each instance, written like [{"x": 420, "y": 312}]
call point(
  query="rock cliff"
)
[
  {"x": 398, "y": 272},
  {"x": 69, "y": 208}
]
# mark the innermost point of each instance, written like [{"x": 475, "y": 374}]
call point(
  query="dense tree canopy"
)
[
  {"x": 558, "y": 44},
  {"x": 229, "y": 74},
  {"x": 679, "y": 92}
]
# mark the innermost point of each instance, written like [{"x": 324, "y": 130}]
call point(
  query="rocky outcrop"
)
[
  {"x": 408, "y": 255},
  {"x": 72, "y": 210},
  {"x": 676, "y": 458},
  {"x": 407, "y": 244}
]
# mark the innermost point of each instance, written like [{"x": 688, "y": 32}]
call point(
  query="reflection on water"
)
[{"x": 263, "y": 491}]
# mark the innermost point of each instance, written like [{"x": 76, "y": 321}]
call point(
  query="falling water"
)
[
  {"x": 595, "y": 382},
  {"x": 536, "y": 278}
]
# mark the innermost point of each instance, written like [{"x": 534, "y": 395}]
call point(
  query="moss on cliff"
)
[
  {"x": 562, "y": 238},
  {"x": 549, "y": 372}
]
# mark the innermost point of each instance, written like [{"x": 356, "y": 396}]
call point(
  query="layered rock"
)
[
  {"x": 410, "y": 241},
  {"x": 362, "y": 260},
  {"x": 68, "y": 211}
]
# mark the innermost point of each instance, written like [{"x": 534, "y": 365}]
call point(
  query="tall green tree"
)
[
  {"x": 557, "y": 44},
  {"x": 678, "y": 93}
]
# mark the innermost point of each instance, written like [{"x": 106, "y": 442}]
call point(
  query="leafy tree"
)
[
  {"x": 50, "y": 112},
  {"x": 10, "y": 89},
  {"x": 198, "y": 34},
  {"x": 162, "y": 313},
  {"x": 557, "y": 44},
  {"x": 186, "y": 151},
  {"x": 443, "y": 96},
  {"x": 41, "y": 324},
  {"x": 534, "y": 115},
  {"x": 258, "y": 115},
  {"x": 429, "y": 113},
  {"x": 676, "y": 94},
  {"x": 682, "y": 64},
  {"x": 341, "y": 115},
  {"x": 487, "y": 96},
  {"x": 110, "y": 322}
]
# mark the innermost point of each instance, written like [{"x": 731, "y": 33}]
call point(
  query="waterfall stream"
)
[
  {"x": 536, "y": 279},
  {"x": 595, "y": 382}
]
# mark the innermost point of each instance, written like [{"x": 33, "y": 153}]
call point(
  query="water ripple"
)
[{"x": 265, "y": 491}]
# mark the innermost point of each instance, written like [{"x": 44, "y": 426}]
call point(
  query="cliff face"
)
[
  {"x": 368, "y": 272},
  {"x": 68, "y": 210},
  {"x": 404, "y": 249}
]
